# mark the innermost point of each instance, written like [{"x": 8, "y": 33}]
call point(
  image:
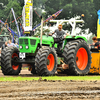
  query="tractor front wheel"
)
[
  {"x": 8, "y": 65},
  {"x": 46, "y": 61}
]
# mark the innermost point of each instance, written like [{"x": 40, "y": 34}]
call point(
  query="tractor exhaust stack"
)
[{"x": 41, "y": 31}]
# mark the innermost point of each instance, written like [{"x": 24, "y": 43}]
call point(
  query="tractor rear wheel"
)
[
  {"x": 46, "y": 61},
  {"x": 77, "y": 55},
  {"x": 9, "y": 67}
]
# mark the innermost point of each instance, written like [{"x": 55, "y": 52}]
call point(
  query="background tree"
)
[
  {"x": 6, "y": 9},
  {"x": 73, "y": 8}
]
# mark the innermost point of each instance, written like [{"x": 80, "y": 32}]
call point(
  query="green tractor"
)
[{"x": 42, "y": 53}]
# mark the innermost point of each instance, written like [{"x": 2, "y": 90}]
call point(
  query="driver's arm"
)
[
  {"x": 51, "y": 34},
  {"x": 66, "y": 35}
]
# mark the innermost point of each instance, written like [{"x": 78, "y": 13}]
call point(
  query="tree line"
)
[{"x": 71, "y": 8}]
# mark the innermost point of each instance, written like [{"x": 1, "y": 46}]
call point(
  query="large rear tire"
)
[
  {"x": 9, "y": 67},
  {"x": 77, "y": 55},
  {"x": 46, "y": 61}
]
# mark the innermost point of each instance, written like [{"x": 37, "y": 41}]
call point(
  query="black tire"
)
[
  {"x": 3, "y": 51},
  {"x": 81, "y": 64},
  {"x": 33, "y": 71},
  {"x": 41, "y": 60},
  {"x": 8, "y": 67}
]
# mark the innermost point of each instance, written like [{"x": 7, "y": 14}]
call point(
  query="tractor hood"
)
[
  {"x": 30, "y": 44},
  {"x": 45, "y": 39}
]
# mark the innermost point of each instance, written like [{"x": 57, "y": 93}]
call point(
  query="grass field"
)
[{"x": 63, "y": 78}]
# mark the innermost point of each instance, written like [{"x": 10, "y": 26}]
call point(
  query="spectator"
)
[
  {"x": 96, "y": 43},
  {"x": 17, "y": 45},
  {"x": 10, "y": 43},
  {"x": 4, "y": 45},
  {"x": 11, "y": 38}
]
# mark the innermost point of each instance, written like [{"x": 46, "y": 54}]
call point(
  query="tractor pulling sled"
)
[{"x": 42, "y": 53}]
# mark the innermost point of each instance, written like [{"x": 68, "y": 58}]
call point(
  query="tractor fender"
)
[{"x": 75, "y": 37}]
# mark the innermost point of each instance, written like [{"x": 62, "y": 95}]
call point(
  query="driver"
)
[
  {"x": 59, "y": 32},
  {"x": 60, "y": 35}
]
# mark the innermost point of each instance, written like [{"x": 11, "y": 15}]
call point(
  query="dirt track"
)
[{"x": 49, "y": 90}]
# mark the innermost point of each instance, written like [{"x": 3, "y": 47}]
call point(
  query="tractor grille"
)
[
  {"x": 32, "y": 41},
  {"x": 26, "y": 41},
  {"x": 20, "y": 41}
]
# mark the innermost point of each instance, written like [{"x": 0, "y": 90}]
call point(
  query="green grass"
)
[
  {"x": 17, "y": 78},
  {"x": 72, "y": 78},
  {"x": 63, "y": 78}
]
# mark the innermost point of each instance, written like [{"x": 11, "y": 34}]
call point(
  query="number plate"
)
[{"x": 22, "y": 55}]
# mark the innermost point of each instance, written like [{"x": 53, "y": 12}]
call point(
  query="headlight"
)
[
  {"x": 27, "y": 47},
  {"x": 20, "y": 47}
]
